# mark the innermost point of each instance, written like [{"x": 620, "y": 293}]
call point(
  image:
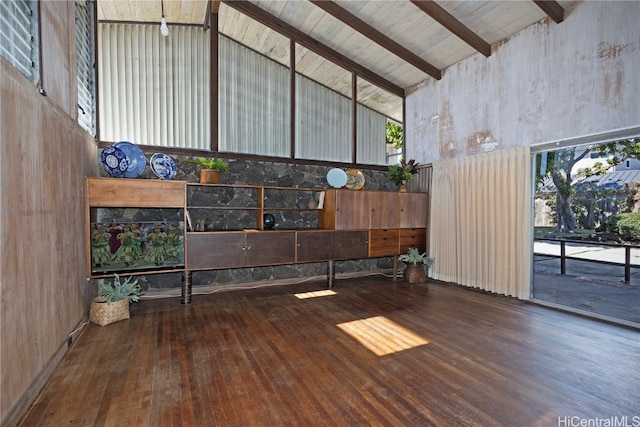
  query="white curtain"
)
[{"x": 481, "y": 221}]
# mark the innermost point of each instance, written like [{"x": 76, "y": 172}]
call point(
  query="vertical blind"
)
[
  {"x": 154, "y": 90},
  {"x": 85, "y": 54},
  {"x": 371, "y": 137},
  {"x": 323, "y": 122},
  {"x": 254, "y": 102},
  {"x": 19, "y": 43}
]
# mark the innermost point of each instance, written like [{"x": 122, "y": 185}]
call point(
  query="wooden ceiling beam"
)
[
  {"x": 376, "y": 36},
  {"x": 213, "y": 6},
  {"x": 312, "y": 44},
  {"x": 551, "y": 8},
  {"x": 449, "y": 22}
]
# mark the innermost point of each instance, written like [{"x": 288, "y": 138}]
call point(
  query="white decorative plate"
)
[
  {"x": 336, "y": 178},
  {"x": 163, "y": 166}
]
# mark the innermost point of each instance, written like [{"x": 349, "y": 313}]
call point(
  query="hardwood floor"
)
[{"x": 263, "y": 357}]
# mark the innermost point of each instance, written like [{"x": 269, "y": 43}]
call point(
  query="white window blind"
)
[
  {"x": 154, "y": 90},
  {"x": 85, "y": 54},
  {"x": 323, "y": 123},
  {"x": 19, "y": 36},
  {"x": 254, "y": 102},
  {"x": 371, "y": 137}
]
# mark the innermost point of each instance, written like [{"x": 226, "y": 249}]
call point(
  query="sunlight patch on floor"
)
[
  {"x": 381, "y": 335},
  {"x": 315, "y": 294}
]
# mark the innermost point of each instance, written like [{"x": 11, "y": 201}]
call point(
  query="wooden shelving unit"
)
[{"x": 327, "y": 224}]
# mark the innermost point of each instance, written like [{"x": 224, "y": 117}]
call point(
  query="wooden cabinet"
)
[
  {"x": 346, "y": 210},
  {"x": 312, "y": 224},
  {"x": 413, "y": 210},
  {"x": 236, "y": 249},
  {"x": 364, "y": 210},
  {"x": 384, "y": 209}
]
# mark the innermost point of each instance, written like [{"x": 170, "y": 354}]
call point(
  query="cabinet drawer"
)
[
  {"x": 383, "y": 242},
  {"x": 413, "y": 238},
  {"x": 112, "y": 192}
]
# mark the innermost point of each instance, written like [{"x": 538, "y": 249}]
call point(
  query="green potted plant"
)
[
  {"x": 402, "y": 172},
  {"x": 210, "y": 169},
  {"x": 112, "y": 303},
  {"x": 415, "y": 271}
]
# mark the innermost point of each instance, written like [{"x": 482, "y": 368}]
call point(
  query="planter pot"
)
[
  {"x": 209, "y": 176},
  {"x": 103, "y": 313},
  {"x": 415, "y": 273}
]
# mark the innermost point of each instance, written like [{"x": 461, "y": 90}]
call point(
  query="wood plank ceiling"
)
[{"x": 392, "y": 44}]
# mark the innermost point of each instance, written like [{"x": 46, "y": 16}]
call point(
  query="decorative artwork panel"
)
[{"x": 133, "y": 246}]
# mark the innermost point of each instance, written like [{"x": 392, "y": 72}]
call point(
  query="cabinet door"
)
[
  {"x": 413, "y": 210},
  {"x": 270, "y": 247},
  {"x": 314, "y": 245},
  {"x": 215, "y": 250},
  {"x": 350, "y": 244},
  {"x": 385, "y": 209},
  {"x": 352, "y": 210}
]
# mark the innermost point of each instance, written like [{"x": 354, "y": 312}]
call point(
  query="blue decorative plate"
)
[
  {"x": 163, "y": 166},
  {"x": 114, "y": 161},
  {"x": 137, "y": 161},
  {"x": 337, "y": 178}
]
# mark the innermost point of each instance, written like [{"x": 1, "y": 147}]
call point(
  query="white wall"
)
[{"x": 550, "y": 82}]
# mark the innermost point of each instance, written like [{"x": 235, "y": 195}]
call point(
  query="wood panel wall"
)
[{"x": 44, "y": 158}]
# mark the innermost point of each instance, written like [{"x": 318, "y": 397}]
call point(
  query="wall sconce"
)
[{"x": 164, "y": 30}]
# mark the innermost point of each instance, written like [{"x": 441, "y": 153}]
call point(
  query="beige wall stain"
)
[
  {"x": 481, "y": 142},
  {"x": 446, "y": 133}
]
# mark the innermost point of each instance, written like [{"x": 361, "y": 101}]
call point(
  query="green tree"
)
[
  {"x": 558, "y": 168},
  {"x": 395, "y": 135}
]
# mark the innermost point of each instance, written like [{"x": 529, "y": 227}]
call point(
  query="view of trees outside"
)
[
  {"x": 587, "y": 229},
  {"x": 582, "y": 202},
  {"x": 395, "y": 142}
]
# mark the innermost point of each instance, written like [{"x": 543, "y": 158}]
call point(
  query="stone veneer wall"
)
[{"x": 258, "y": 173}]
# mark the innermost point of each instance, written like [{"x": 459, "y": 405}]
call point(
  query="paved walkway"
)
[{"x": 588, "y": 286}]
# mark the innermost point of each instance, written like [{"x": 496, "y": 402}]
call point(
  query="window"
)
[
  {"x": 19, "y": 36},
  {"x": 154, "y": 90},
  {"x": 85, "y": 52},
  {"x": 254, "y": 102}
]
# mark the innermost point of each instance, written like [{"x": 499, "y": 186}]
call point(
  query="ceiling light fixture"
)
[{"x": 164, "y": 30}]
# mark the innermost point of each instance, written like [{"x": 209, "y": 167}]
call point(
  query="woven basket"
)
[{"x": 103, "y": 313}]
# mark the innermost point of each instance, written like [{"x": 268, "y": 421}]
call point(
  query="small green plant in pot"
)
[
  {"x": 211, "y": 169},
  {"x": 112, "y": 303},
  {"x": 402, "y": 172},
  {"x": 415, "y": 270}
]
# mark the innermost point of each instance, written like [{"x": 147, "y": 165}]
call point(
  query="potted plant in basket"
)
[
  {"x": 402, "y": 172},
  {"x": 112, "y": 304},
  {"x": 415, "y": 271},
  {"x": 210, "y": 169}
]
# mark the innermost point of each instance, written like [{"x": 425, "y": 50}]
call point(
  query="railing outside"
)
[{"x": 627, "y": 264}]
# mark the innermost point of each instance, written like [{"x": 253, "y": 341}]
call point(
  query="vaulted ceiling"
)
[{"x": 392, "y": 44}]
